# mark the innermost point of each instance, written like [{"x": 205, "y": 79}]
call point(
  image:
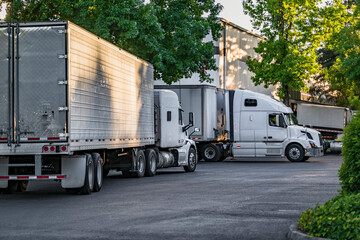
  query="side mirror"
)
[
  {"x": 191, "y": 122},
  {"x": 191, "y": 118},
  {"x": 195, "y": 130}
]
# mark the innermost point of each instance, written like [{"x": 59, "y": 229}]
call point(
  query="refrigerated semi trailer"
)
[
  {"x": 74, "y": 106},
  {"x": 242, "y": 123},
  {"x": 329, "y": 120}
]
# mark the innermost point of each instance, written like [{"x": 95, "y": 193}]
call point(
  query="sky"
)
[
  {"x": 232, "y": 11},
  {"x": 2, "y": 13}
]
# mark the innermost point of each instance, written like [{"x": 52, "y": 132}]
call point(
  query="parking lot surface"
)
[{"x": 234, "y": 199}]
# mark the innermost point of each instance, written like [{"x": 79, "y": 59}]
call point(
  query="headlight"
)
[{"x": 312, "y": 144}]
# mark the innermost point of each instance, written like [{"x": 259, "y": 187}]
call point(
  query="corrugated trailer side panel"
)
[
  {"x": 4, "y": 78},
  {"x": 321, "y": 116},
  {"x": 110, "y": 94}
]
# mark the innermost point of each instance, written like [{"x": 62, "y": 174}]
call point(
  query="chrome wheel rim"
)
[
  {"x": 209, "y": 153},
  {"x": 91, "y": 174},
  {"x": 294, "y": 153},
  {"x": 153, "y": 164},
  {"x": 141, "y": 164},
  {"x": 99, "y": 173},
  {"x": 192, "y": 159}
]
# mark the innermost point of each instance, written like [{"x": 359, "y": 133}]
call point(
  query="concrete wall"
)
[{"x": 239, "y": 44}]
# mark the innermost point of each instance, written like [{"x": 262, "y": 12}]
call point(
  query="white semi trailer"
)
[
  {"x": 330, "y": 121},
  {"x": 242, "y": 123},
  {"x": 73, "y": 106}
]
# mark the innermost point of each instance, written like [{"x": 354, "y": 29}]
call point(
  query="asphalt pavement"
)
[{"x": 234, "y": 199}]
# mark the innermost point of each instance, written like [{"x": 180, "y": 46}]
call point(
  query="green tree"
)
[
  {"x": 167, "y": 33},
  {"x": 332, "y": 84},
  {"x": 346, "y": 45},
  {"x": 287, "y": 54}
]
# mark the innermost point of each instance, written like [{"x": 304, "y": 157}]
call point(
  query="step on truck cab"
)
[
  {"x": 242, "y": 123},
  {"x": 75, "y": 106}
]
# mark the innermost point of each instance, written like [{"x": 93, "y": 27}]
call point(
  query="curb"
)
[{"x": 296, "y": 234}]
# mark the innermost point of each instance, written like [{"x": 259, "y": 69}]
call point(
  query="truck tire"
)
[
  {"x": 210, "y": 153},
  {"x": 98, "y": 170},
  {"x": 295, "y": 153},
  {"x": 22, "y": 185},
  {"x": 89, "y": 176},
  {"x": 151, "y": 162},
  {"x": 140, "y": 163},
  {"x": 191, "y": 161}
]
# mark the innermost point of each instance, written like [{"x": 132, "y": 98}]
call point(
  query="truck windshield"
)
[{"x": 291, "y": 119}]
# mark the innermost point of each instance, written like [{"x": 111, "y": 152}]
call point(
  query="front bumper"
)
[{"x": 314, "y": 152}]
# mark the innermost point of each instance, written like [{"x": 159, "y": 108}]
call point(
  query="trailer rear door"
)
[
  {"x": 37, "y": 82},
  {"x": 5, "y": 94},
  {"x": 41, "y": 86}
]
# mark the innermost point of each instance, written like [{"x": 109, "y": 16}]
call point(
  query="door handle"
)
[{"x": 270, "y": 137}]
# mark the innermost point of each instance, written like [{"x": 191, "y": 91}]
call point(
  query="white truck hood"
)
[{"x": 305, "y": 133}]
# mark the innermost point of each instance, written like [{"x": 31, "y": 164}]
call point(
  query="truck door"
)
[
  {"x": 40, "y": 80},
  {"x": 5, "y": 94},
  {"x": 276, "y": 134}
]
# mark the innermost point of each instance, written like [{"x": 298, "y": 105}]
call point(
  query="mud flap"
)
[
  {"x": 4, "y": 171},
  {"x": 74, "y": 168}
]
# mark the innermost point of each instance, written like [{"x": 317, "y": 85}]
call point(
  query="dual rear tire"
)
[
  {"x": 151, "y": 162},
  {"x": 94, "y": 175},
  {"x": 212, "y": 153},
  {"x": 146, "y": 164}
]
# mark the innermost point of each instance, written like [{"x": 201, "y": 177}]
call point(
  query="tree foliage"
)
[
  {"x": 287, "y": 54},
  {"x": 167, "y": 33},
  {"x": 346, "y": 44},
  {"x": 333, "y": 83},
  {"x": 349, "y": 172},
  {"x": 337, "y": 219}
]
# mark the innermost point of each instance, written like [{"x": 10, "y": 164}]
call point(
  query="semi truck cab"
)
[{"x": 261, "y": 126}]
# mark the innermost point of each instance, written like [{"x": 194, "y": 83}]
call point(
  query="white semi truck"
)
[
  {"x": 242, "y": 123},
  {"x": 73, "y": 106}
]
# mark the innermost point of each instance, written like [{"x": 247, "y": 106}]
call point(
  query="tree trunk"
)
[{"x": 287, "y": 96}]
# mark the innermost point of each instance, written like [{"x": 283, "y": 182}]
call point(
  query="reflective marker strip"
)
[
  {"x": 53, "y": 138},
  {"x": 34, "y": 139},
  {"x": 31, "y": 177},
  {"x": 23, "y": 177},
  {"x": 41, "y": 139}
]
